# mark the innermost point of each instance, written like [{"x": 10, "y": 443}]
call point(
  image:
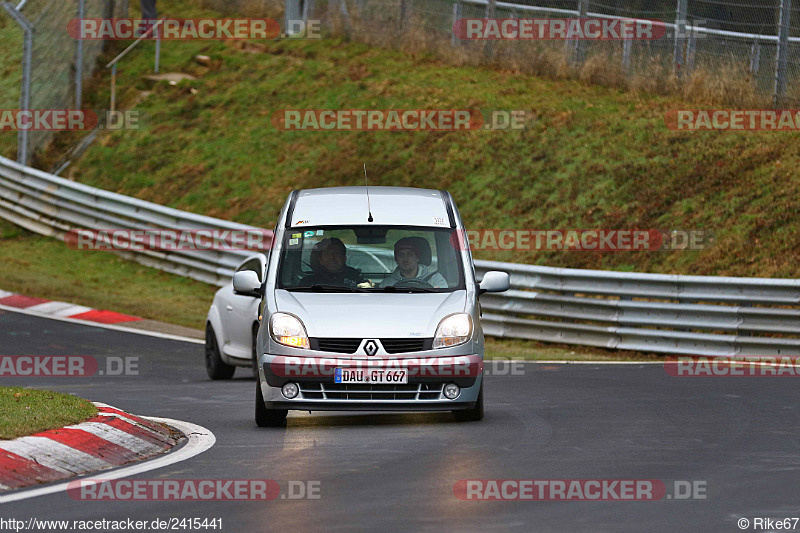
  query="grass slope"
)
[
  {"x": 46, "y": 268},
  {"x": 593, "y": 158}
]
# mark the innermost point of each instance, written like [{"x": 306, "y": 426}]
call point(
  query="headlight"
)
[
  {"x": 453, "y": 330},
  {"x": 288, "y": 330}
]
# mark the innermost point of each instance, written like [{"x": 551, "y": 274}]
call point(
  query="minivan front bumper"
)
[{"x": 427, "y": 377}]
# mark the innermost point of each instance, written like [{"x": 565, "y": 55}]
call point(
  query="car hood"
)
[{"x": 362, "y": 315}]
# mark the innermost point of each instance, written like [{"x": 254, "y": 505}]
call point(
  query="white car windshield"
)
[{"x": 371, "y": 259}]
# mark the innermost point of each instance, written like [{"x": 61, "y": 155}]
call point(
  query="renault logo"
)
[{"x": 371, "y": 347}]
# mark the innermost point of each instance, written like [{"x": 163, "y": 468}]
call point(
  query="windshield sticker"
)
[
  {"x": 296, "y": 235},
  {"x": 294, "y": 242},
  {"x": 309, "y": 234},
  {"x": 320, "y": 232}
]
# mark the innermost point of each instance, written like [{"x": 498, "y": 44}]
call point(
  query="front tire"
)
[
  {"x": 255, "y": 351},
  {"x": 474, "y": 414},
  {"x": 216, "y": 368},
  {"x": 268, "y": 418}
]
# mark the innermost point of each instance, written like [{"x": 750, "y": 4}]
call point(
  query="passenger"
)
[
  {"x": 413, "y": 257},
  {"x": 328, "y": 258}
]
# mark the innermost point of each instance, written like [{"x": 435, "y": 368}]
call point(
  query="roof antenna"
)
[{"x": 369, "y": 209}]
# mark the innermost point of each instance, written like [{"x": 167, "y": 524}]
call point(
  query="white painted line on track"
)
[
  {"x": 199, "y": 440},
  {"x": 104, "y": 326}
]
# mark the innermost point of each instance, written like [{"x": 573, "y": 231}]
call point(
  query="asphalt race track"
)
[{"x": 737, "y": 437}]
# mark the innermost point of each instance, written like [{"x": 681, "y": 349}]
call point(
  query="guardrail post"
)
[
  {"x": 782, "y": 59},
  {"x": 406, "y": 8},
  {"x": 690, "y": 49},
  {"x": 113, "y": 105},
  {"x": 291, "y": 12},
  {"x": 341, "y": 7},
  {"x": 627, "y": 44},
  {"x": 580, "y": 44},
  {"x": 490, "y": 12},
  {"x": 454, "y": 39},
  {"x": 25, "y": 93},
  {"x": 755, "y": 58},
  {"x": 680, "y": 36},
  {"x": 158, "y": 51},
  {"x": 79, "y": 60}
]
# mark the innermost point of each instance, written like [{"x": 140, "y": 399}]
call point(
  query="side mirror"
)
[
  {"x": 245, "y": 283},
  {"x": 494, "y": 281}
]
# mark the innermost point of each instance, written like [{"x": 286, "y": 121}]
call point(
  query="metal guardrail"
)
[
  {"x": 698, "y": 315},
  {"x": 52, "y": 206}
]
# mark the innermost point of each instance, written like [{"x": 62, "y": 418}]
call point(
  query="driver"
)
[
  {"x": 411, "y": 253},
  {"x": 328, "y": 266}
]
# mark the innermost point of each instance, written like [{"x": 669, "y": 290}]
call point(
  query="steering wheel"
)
[{"x": 413, "y": 283}]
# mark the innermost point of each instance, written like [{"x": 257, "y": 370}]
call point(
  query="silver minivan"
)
[{"x": 369, "y": 302}]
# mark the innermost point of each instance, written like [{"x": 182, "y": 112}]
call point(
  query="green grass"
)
[
  {"x": 593, "y": 157},
  {"x": 46, "y": 268},
  {"x": 27, "y": 411}
]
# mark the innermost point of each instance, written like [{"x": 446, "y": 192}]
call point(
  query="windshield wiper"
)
[
  {"x": 325, "y": 288},
  {"x": 392, "y": 288}
]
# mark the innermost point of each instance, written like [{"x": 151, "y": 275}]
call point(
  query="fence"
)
[
  {"x": 755, "y": 39},
  {"x": 645, "y": 312},
  {"x": 761, "y": 37},
  {"x": 54, "y": 65}
]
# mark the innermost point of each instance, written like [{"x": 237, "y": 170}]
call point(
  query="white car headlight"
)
[
  {"x": 453, "y": 330},
  {"x": 288, "y": 330}
]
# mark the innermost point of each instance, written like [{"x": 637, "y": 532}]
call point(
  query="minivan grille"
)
[
  {"x": 335, "y": 344},
  {"x": 349, "y": 346},
  {"x": 406, "y": 345},
  {"x": 360, "y": 392}
]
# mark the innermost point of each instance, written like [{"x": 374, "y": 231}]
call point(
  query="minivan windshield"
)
[{"x": 370, "y": 259}]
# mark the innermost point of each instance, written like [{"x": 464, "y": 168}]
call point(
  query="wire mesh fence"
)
[
  {"x": 253, "y": 8},
  {"x": 54, "y": 64},
  {"x": 738, "y": 42}
]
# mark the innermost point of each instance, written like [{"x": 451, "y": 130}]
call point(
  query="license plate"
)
[{"x": 376, "y": 377}]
